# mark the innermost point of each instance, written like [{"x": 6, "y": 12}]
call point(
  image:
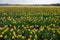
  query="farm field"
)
[{"x": 30, "y": 23}]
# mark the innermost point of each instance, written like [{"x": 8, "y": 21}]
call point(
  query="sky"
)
[{"x": 29, "y": 1}]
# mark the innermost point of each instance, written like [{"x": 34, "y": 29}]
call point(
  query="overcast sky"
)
[{"x": 29, "y": 1}]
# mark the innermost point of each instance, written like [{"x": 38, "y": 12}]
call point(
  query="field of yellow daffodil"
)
[{"x": 29, "y": 23}]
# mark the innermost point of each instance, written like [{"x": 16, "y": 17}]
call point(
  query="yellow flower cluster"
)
[{"x": 30, "y": 24}]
